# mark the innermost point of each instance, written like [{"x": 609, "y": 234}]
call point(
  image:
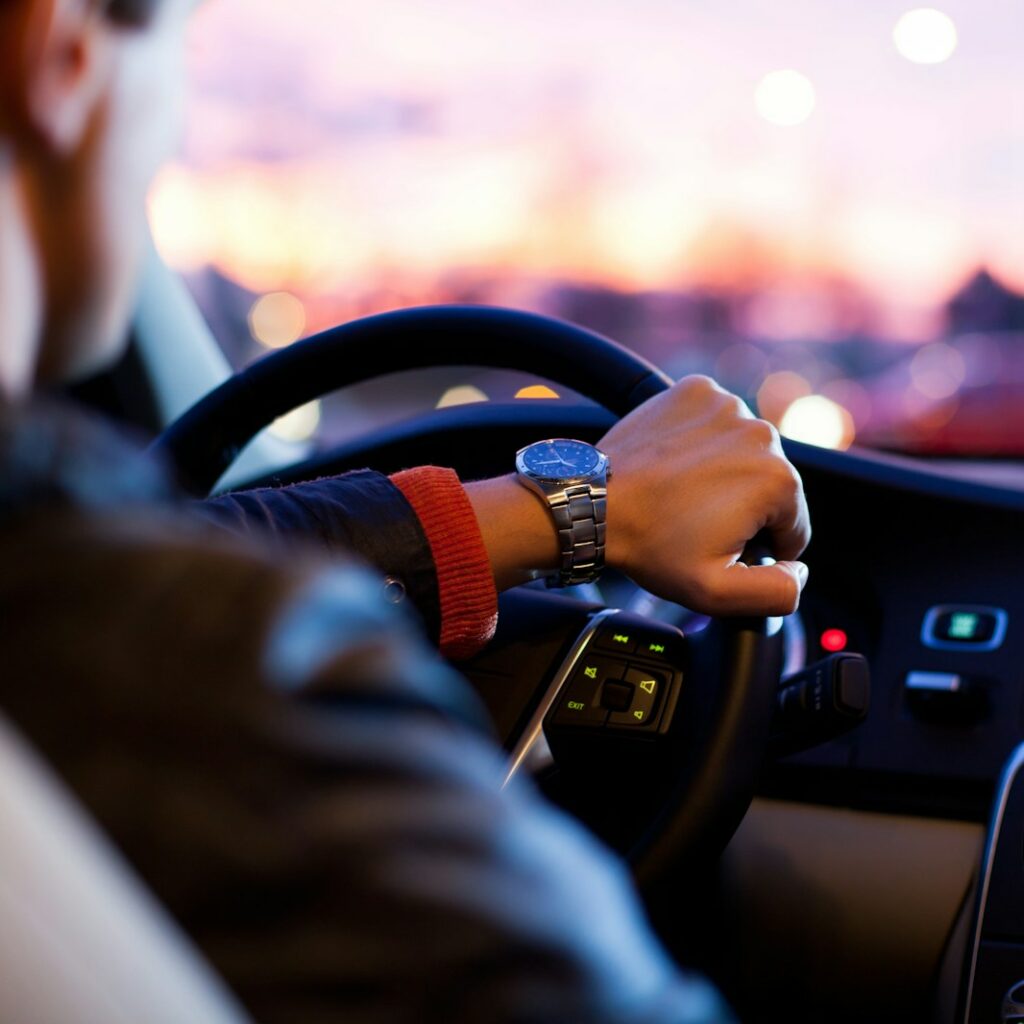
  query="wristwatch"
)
[{"x": 572, "y": 479}]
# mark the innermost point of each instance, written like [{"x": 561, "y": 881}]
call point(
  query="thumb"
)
[{"x": 772, "y": 589}]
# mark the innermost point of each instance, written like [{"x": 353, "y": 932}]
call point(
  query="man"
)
[{"x": 309, "y": 791}]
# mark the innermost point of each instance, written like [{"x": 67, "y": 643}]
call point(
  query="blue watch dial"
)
[{"x": 560, "y": 459}]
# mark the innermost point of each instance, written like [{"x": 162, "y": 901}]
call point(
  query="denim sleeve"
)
[{"x": 361, "y": 513}]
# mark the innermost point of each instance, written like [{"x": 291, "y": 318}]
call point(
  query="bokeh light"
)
[
  {"x": 461, "y": 394},
  {"x": 741, "y": 367},
  {"x": 853, "y": 397},
  {"x": 299, "y": 424},
  {"x": 785, "y": 98},
  {"x": 925, "y": 36},
  {"x": 817, "y": 420},
  {"x": 778, "y": 392},
  {"x": 983, "y": 359},
  {"x": 938, "y": 370},
  {"x": 537, "y": 391},
  {"x": 926, "y": 416},
  {"x": 277, "y": 320}
]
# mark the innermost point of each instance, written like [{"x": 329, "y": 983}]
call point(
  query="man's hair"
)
[{"x": 130, "y": 12}]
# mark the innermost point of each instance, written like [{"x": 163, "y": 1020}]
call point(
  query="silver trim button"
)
[
  {"x": 532, "y": 736},
  {"x": 1010, "y": 772},
  {"x": 935, "y": 682}
]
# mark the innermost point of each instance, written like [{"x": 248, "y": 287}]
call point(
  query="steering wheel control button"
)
[
  {"x": 654, "y": 648},
  {"x": 647, "y": 689},
  {"x": 580, "y": 703},
  {"x": 579, "y": 709},
  {"x": 643, "y": 638},
  {"x": 964, "y": 628},
  {"x": 616, "y": 696},
  {"x": 649, "y": 683},
  {"x": 621, "y": 640}
]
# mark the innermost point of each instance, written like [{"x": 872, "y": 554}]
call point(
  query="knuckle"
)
[
  {"x": 736, "y": 406},
  {"x": 730, "y": 411},
  {"x": 698, "y": 387},
  {"x": 806, "y": 533},
  {"x": 788, "y": 479},
  {"x": 779, "y": 477},
  {"x": 763, "y": 434},
  {"x": 699, "y": 382},
  {"x": 784, "y": 494}
]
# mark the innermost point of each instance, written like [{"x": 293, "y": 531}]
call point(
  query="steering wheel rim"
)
[{"x": 204, "y": 442}]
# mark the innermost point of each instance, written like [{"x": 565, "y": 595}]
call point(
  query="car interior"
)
[
  {"x": 824, "y": 814},
  {"x": 820, "y": 811}
]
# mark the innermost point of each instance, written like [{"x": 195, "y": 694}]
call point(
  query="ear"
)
[{"x": 62, "y": 65}]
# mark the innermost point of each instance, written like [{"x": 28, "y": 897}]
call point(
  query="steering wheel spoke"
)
[{"x": 640, "y": 721}]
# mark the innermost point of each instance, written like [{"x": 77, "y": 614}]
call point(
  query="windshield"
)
[{"x": 820, "y": 204}]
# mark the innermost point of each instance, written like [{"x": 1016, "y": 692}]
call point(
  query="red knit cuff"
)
[{"x": 465, "y": 583}]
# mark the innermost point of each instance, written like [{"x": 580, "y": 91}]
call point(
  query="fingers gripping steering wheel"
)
[{"x": 662, "y": 763}]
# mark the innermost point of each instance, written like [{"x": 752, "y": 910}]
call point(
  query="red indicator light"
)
[{"x": 834, "y": 640}]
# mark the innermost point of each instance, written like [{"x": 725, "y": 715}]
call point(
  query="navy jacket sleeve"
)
[{"x": 361, "y": 513}]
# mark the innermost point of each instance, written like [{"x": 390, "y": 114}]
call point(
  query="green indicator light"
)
[
  {"x": 963, "y": 625},
  {"x": 591, "y": 673},
  {"x": 657, "y": 648},
  {"x": 575, "y": 705},
  {"x": 639, "y": 715},
  {"x": 621, "y": 638}
]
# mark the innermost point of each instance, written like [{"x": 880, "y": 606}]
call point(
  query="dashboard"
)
[
  {"x": 922, "y": 574},
  {"x": 873, "y": 841}
]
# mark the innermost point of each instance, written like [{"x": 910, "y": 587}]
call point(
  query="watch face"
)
[{"x": 561, "y": 459}]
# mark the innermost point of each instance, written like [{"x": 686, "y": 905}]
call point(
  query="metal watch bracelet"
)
[{"x": 580, "y": 513}]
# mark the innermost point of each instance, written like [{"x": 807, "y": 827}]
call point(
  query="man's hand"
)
[{"x": 695, "y": 477}]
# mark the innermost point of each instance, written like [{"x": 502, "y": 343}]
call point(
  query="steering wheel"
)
[{"x": 663, "y": 763}]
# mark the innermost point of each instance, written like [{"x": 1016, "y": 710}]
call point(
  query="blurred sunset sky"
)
[{"x": 334, "y": 148}]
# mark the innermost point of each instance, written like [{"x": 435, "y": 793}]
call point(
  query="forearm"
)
[{"x": 360, "y": 514}]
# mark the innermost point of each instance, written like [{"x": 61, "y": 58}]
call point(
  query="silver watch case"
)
[{"x": 578, "y": 505}]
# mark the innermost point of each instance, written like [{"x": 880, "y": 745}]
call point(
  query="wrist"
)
[
  {"x": 517, "y": 529},
  {"x": 618, "y": 543}
]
